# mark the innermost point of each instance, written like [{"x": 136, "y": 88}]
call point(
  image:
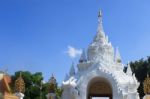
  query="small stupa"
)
[
  {"x": 20, "y": 87},
  {"x": 52, "y": 86}
]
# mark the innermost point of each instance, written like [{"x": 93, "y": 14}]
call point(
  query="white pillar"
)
[
  {"x": 51, "y": 96},
  {"x": 19, "y": 95}
]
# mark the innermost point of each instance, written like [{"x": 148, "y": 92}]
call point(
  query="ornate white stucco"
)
[{"x": 100, "y": 62}]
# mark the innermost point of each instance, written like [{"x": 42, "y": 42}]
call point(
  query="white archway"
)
[{"x": 85, "y": 80}]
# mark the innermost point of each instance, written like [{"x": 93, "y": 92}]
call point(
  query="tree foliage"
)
[{"x": 58, "y": 92}]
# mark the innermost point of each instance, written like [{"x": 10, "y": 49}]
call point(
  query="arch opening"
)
[{"x": 99, "y": 88}]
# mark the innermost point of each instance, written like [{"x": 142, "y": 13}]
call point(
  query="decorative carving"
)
[
  {"x": 20, "y": 84},
  {"x": 70, "y": 86}
]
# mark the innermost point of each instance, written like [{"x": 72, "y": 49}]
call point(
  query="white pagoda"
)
[{"x": 100, "y": 73}]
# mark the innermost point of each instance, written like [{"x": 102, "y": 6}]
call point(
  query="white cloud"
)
[{"x": 73, "y": 52}]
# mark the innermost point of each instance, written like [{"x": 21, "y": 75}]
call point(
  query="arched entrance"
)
[{"x": 99, "y": 88}]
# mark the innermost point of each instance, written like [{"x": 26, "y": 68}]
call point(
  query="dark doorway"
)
[{"x": 99, "y": 88}]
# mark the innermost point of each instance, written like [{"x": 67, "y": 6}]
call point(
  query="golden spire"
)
[
  {"x": 19, "y": 84},
  {"x": 52, "y": 84},
  {"x": 147, "y": 85}
]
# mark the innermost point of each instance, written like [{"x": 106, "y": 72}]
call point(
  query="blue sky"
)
[{"x": 35, "y": 34}]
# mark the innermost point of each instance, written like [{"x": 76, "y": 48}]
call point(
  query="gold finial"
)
[
  {"x": 147, "y": 85},
  {"x": 100, "y": 13},
  {"x": 19, "y": 84}
]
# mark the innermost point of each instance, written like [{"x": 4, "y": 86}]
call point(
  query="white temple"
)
[{"x": 100, "y": 73}]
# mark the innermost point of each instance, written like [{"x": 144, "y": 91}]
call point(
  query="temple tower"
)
[{"x": 100, "y": 72}]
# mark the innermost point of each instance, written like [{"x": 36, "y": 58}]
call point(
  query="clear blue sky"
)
[{"x": 35, "y": 34}]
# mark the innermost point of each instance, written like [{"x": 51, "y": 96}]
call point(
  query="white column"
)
[{"x": 19, "y": 95}]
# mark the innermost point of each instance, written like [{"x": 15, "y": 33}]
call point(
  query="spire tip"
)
[{"x": 100, "y": 13}]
